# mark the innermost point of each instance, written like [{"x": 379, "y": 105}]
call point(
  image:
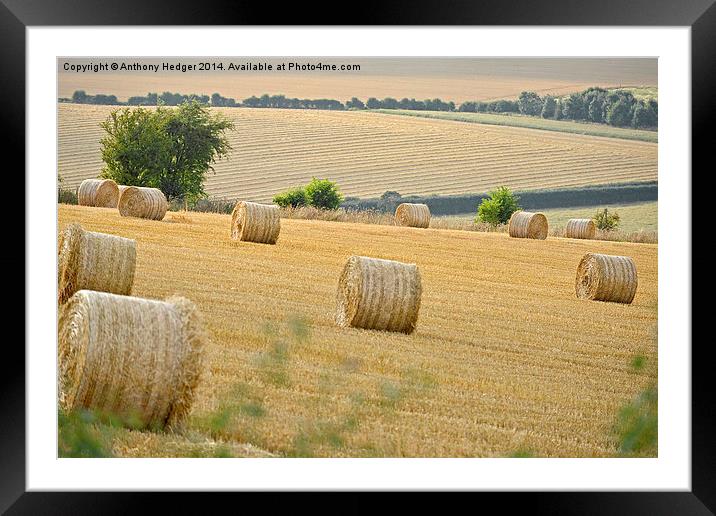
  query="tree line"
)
[
  {"x": 618, "y": 108},
  {"x": 264, "y": 101}
]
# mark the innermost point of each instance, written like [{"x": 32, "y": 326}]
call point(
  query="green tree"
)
[
  {"x": 79, "y": 97},
  {"x": 549, "y": 107},
  {"x": 294, "y": 198},
  {"x": 324, "y": 194},
  {"x": 355, "y": 103},
  {"x": 644, "y": 116},
  {"x": 168, "y": 148},
  {"x": 530, "y": 103},
  {"x": 573, "y": 107},
  {"x": 373, "y": 103},
  {"x": 498, "y": 207},
  {"x": 619, "y": 114}
]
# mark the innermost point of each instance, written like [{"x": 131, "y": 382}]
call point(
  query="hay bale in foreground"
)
[
  {"x": 94, "y": 261},
  {"x": 103, "y": 193},
  {"x": 253, "y": 222},
  {"x": 524, "y": 224},
  {"x": 145, "y": 203},
  {"x": 580, "y": 228},
  {"x": 379, "y": 294},
  {"x": 136, "y": 358},
  {"x": 412, "y": 215},
  {"x": 602, "y": 277}
]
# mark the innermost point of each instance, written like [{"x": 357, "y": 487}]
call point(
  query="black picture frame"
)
[{"x": 17, "y": 15}]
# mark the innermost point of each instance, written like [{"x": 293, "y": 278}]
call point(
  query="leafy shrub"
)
[
  {"x": 293, "y": 198},
  {"x": 65, "y": 196},
  {"x": 324, "y": 194},
  {"x": 605, "y": 220},
  {"x": 498, "y": 207}
]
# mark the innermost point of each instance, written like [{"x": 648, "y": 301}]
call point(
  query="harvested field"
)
[
  {"x": 504, "y": 359},
  {"x": 370, "y": 153}
]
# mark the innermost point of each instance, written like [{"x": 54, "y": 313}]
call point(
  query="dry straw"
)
[
  {"x": 98, "y": 192},
  {"x": 135, "y": 358},
  {"x": 580, "y": 228},
  {"x": 379, "y": 295},
  {"x": 252, "y": 222},
  {"x": 524, "y": 224},
  {"x": 603, "y": 277},
  {"x": 412, "y": 215},
  {"x": 121, "y": 189},
  {"x": 145, "y": 203},
  {"x": 94, "y": 261}
]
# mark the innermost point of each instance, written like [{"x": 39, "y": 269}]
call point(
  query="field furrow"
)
[{"x": 369, "y": 153}]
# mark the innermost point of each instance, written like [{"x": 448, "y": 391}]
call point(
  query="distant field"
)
[
  {"x": 633, "y": 217},
  {"x": 370, "y": 153},
  {"x": 532, "y": 122},
  {"x": 456, "y": 79},
  {"x": 505, "y": 359}
]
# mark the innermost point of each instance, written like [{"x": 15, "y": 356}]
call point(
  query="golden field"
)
[
  {"x": 456, "y": 79},
  {"x": 370, "y": 153},
  {"x": 505, "y": 358}
]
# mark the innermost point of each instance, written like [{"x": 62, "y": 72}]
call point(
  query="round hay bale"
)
[
  {"x": 602, "y": 277},
  {"x": 94, "y": 261},
  {"x": 412, "y": 215},
  {"x": 136, "y": 358},
  {"x": 121, "y": 188},
  {"x": 580, "y": 228},
  {"x": 379, "y": 294},
  {"x": 145, "y": 203},
  {"x": 253, "y": 222},
  {"x": 524, "y": 224},
  {"x": 103, "y": 193}
]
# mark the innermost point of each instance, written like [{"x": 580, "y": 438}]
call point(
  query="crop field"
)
[
  {"x": 450, "y": 79},
  {"x": 632, "y": 217},
  {"x": 532, "y": 122},
  {"x": 505, "y": 359},
  {"x": 370, "y": 153}
]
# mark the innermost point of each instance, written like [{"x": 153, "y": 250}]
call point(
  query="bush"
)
[
  {"x": 605, "y": 220},
  {"x": 293, "y": 198},
  {"x": 324, "y": 194},
  {"x": 498, "y": 207},
  {"x": 65, "y": 196}
]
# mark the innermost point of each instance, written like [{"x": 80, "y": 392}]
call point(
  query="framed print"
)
[{"x": 415, "y": 253}]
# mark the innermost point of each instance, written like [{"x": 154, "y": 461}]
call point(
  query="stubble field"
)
[
  {"x": 370, "y": 153},
  {"x": 505, "y": 360}
]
